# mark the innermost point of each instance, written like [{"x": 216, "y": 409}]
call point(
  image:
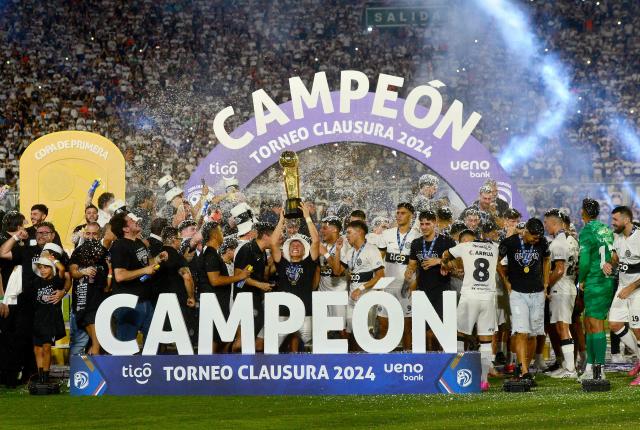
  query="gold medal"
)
[{"x": 526, "y": 269}]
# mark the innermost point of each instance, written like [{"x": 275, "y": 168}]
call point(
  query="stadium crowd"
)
[{"x": 152, "y": 76}]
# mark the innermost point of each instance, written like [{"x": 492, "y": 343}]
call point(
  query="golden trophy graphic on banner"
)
[{"x": 289, "y": 162}]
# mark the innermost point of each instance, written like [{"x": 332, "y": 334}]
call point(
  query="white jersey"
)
[
  {"x": 362, "y": 263},
  {"x": 628, "y": 251},
  {"x": 397, "y": 249},
  {"x": 328, "y": 281},
  {"x": 562, "y": 250},
  {"x": 480, "y": 260}
]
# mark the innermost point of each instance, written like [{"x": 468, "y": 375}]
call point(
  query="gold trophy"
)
[{"x": 289, "y": 162}]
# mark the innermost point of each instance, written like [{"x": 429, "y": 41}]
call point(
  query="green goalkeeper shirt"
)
[{"x": 596, "y": 243}]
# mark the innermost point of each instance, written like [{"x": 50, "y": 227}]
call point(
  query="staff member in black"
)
[
  {"x": 425, "y": 260},
  {"x": 216, "y": 278},
  {"x": 130, "y": 260},
  {"x": 254, "y": 254},
  {"x": 526, "y": 278},
  {"x": 298, "y": 271}
]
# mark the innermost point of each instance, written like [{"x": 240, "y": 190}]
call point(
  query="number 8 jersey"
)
[{"x": 480, "y": 260}]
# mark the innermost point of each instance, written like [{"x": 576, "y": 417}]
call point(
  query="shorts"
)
[
  {"x": 527, "y": 313},
  {"x": 503, "y": 310},
  {"x": 561, "y": 307},
  {"x": 626, "y": 310},
  {"x": 578, "y": 308},
  {"x": 597, "y": 299},
  {"x": 405, "y": 302},
  {"x": 305, "y": 331},
  {"x": 480, "y": 311},
  {"x": 42, "y": 340}
]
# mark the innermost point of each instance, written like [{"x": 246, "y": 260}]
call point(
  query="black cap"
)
[
  {"x": 512, "y": 213},
  {"x": 457, "y": 227},
  {"x": 535, "y": 227},
  {"x": 445, "y": 213},
  {"x": 489, "y": 226},
  {"x": 591, "y": 207}
]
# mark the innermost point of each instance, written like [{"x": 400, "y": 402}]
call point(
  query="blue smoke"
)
[
  {"x": 628, "y": 136},
  {"x": 516, "y": 31}
]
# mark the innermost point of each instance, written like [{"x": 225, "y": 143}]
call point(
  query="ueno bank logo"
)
[
  {"x": 81, "y": 380},
  {"x": 141, "y": 374},
  {"x": 476, "y": 168}
]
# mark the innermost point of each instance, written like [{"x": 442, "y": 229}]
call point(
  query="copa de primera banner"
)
[
  {"x": 58, "y": 170},
  {"x": 284, "y": 374}
]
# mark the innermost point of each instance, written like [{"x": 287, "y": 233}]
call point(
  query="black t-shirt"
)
[
  {"x": 155, "y": 246},
  {"x": 168, "y": 278},
  {"x": 87, "y": 292},
  {"x": 47, "y": 320},
  {"x": 531, "y": 281},
  {"x": 431, "y": 281},
  {"x": 211, "y": 261},
  {"x": 6, "y": 266},
  {"x": 26, "y": 255},
  {"x": 130, "y": 255},
  {"x": 251, "y": 254},
  {"x": 297, "y": 279}
]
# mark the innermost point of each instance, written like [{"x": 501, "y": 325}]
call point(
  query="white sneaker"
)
[
  {"x": 618, "y": 359},
  {"x": 564, "y": 374},
  {"x": 587, "y": 374},
  {"x": 558, "y": 371}
]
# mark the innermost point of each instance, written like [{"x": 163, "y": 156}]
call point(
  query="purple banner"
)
[{"x": 465, "y": 170}]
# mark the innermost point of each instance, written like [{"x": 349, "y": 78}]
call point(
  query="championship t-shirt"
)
[
  {"x": 297, "y": 279},
  {"x": 168, "y": 278},
  {"x": 480, "y": 260},
  {"x": 524, "y": 263},
  {"x": 431, "y": 281},
  {"x": 561, "y": 249},
  {"x": 628, "y": 251},
  {"x": 130, "y": 255},
  {"x": 397, "y": 248}
]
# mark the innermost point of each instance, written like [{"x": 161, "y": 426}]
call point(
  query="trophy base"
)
[{"x": 292, "y": 209}]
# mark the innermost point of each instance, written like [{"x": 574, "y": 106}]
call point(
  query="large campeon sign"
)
[{"x": 437, "y": 137}]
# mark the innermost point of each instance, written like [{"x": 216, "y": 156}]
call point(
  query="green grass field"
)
[{"x": 553, "y": 404}]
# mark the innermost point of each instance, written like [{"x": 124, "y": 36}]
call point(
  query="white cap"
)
[
  {"x": 244, "y": 218},
  {"x": 45, "y": 262},
  {"x": 230, "y": 182},
  {"x": 117, "y": 204},
  {"x": 53, "y": 247},
  {"x": 299, "y": 238},
  {"x": 169, "y": 187}
]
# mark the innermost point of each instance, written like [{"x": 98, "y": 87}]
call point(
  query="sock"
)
[
  {"x": 500, "y": 347},
  {"x": 485, "y": 359},
  {"x": 589, "y": 342},
  {"x": 540, "y": 358},
  {"x": 629, "y": 340},
  {"x": 599, "y": 347},
  {"x": 615, "y": 343},
  {"x": 567, "y": 353},
  {"x": 40, "y": 377},
  {"x": 45, "y": 376},
  {"x": 460, "y": 343}
]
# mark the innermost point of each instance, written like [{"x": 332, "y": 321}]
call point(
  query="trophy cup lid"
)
[{"x": 288, "y": 159}]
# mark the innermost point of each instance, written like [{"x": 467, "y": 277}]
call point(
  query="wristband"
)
[
  {"x": 308, "y": 220},
  {"x": 360, "y": 287},
  {"x": 16, "y": 238},
  {"x": 326, "y": 256},
  {"x": 109, "y": 276}
]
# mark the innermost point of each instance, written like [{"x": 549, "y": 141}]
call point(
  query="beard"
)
[{"x": 618, "y": 230}]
